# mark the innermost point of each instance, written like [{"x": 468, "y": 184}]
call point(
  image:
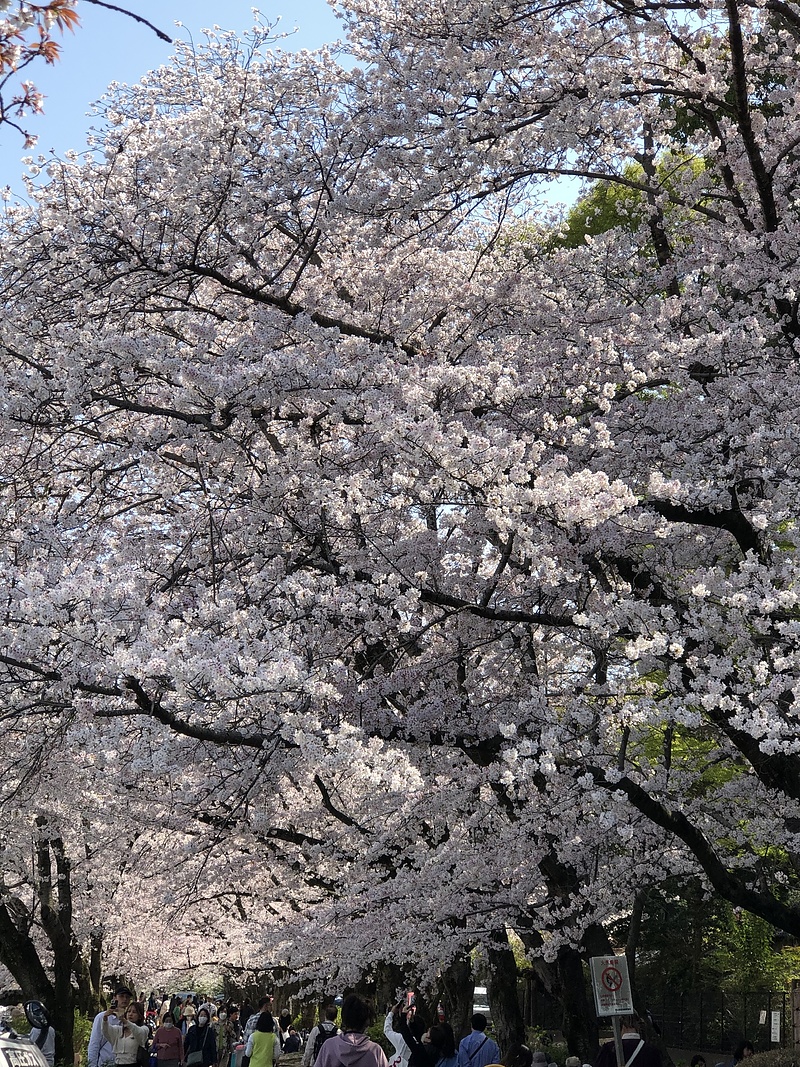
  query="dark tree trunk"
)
[
  {"x": 565, "y": 981},
  {"x": 388, "y": 981},
  {"x": 56, "y": 912},
  {"x": 456, "y": 991},
  {"x": 504, "y": 993},
  {"x": 646, "y": 1029},
  {"x": 580, "y": 1027},
  {"x": 18, "y": 953},
  {"x": 88, "y": 975}
]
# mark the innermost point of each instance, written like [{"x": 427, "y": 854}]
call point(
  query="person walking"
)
[
  {"x": 634, "y": 1047},
  {"x": 252, "y": 1021},
  {"x": 442, "y": 1045},
  {"x": 284, "y": 1022},
  {"x": 325, "y": 1029},
  {"x": 352, "y": 1048},
  {"x": 168, "y": 1043},
  {"x": 230, "y": 1035},
  {"x": 200, "y": 1042},
  {"x": 263, "y": 1046}
]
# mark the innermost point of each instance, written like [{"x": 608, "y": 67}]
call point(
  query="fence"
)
[
  {"x": 709, "y": 1020},
  {"x": 713, "y": 1019}
]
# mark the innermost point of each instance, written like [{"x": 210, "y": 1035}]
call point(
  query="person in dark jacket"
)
[
  {"x": 201, "y": 1038},
  {"x": 291, "y": 1043},
  {"x": 634, "y": 1047}
]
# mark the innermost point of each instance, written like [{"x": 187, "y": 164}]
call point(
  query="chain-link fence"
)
[{"x": 703, "y": 1019}]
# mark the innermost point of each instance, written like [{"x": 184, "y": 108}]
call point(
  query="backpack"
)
[{"x": 322, "y": 1036}]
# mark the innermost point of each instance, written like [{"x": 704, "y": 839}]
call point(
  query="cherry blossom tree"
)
[
  {"x": 27, "y": 35},
  {"x": 444, "y": 571}
]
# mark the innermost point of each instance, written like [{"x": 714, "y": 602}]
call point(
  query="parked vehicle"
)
[{"x": 17, "y": 1050}]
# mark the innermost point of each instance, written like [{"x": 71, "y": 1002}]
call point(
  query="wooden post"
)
[{"x": 795, "y": 1013}]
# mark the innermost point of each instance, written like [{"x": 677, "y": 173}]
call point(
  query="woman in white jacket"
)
[{"x": 127, "y": 1036}]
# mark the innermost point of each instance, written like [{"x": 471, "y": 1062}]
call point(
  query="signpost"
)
[
  {"x": 612, "y": 994},
  {"x": 775, "y": 1029}
]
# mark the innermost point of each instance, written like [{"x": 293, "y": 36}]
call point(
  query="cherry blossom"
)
[{"x": 415, "y": 575}]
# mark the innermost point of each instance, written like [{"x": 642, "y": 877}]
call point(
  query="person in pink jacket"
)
[
  {"x": 168, "y": 1043},
  {"x": 352, "y": 1048}
]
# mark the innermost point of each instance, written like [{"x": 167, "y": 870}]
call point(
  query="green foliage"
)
[
  {"x": 537, "y": 1039},
  {"x": 617, "y": 205},
  {"x": 691, "y": 940},
  {"x": 376, "y": 1034},
  {"x": 517, "y": 947},
  {"x": 606, "y": 206},
  {"x": 20, "y": 1021},
  {"x": 692, "y": 751},
  {"x": 745, "y": 955},
  {"x": 778, "y": 1057},
  {"x": 82, "y": 1033}
]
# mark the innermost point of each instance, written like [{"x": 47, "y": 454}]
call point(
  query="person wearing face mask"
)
[
  {"x": 200, "y": 1043},
  {"x": 168, "y": 1043}
]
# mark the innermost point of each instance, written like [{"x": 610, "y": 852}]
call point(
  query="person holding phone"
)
[
  {"x": 101, "y": 1051},
  {"x": 127, "y": 1034}
]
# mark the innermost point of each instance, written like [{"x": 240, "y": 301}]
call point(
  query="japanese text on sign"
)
[{"x": 611, "y": 985}]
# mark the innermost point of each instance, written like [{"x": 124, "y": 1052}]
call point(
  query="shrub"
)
[{"x": 777, "y": 1057}]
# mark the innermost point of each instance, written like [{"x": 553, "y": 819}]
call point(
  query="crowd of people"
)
[{"x": 182, "y": 1031}]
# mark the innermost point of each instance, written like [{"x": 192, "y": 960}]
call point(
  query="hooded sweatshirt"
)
[{"x": 351, "y": 1050}]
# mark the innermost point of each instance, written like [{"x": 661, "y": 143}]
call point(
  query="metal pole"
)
[{"x": 618, "y": 1042}]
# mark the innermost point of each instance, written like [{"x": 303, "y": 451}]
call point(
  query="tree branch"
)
[{"x": 132, "y": 15}]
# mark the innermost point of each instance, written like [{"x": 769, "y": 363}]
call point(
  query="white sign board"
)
[
  {"x": 775, "y": 1030},
  {"x": 611, "y": 985}
]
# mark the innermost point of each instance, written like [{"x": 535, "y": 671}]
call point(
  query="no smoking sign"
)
[{"x": 612, "y": 988}]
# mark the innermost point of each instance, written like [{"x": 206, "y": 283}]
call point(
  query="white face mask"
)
[
  {"x": 168, "y": 1024},
  {"x": 202, "y": 1020}
]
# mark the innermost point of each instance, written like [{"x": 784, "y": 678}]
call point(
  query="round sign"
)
[{"x": 611, "y": 979}]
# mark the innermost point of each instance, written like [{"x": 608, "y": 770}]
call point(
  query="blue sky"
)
[{"x": 112, "y": 47}]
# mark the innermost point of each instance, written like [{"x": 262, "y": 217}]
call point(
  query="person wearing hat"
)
[{"x": 101, "y": 1051}]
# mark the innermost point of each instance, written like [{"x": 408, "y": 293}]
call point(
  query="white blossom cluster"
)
[{"x": 377, "y": 560}]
